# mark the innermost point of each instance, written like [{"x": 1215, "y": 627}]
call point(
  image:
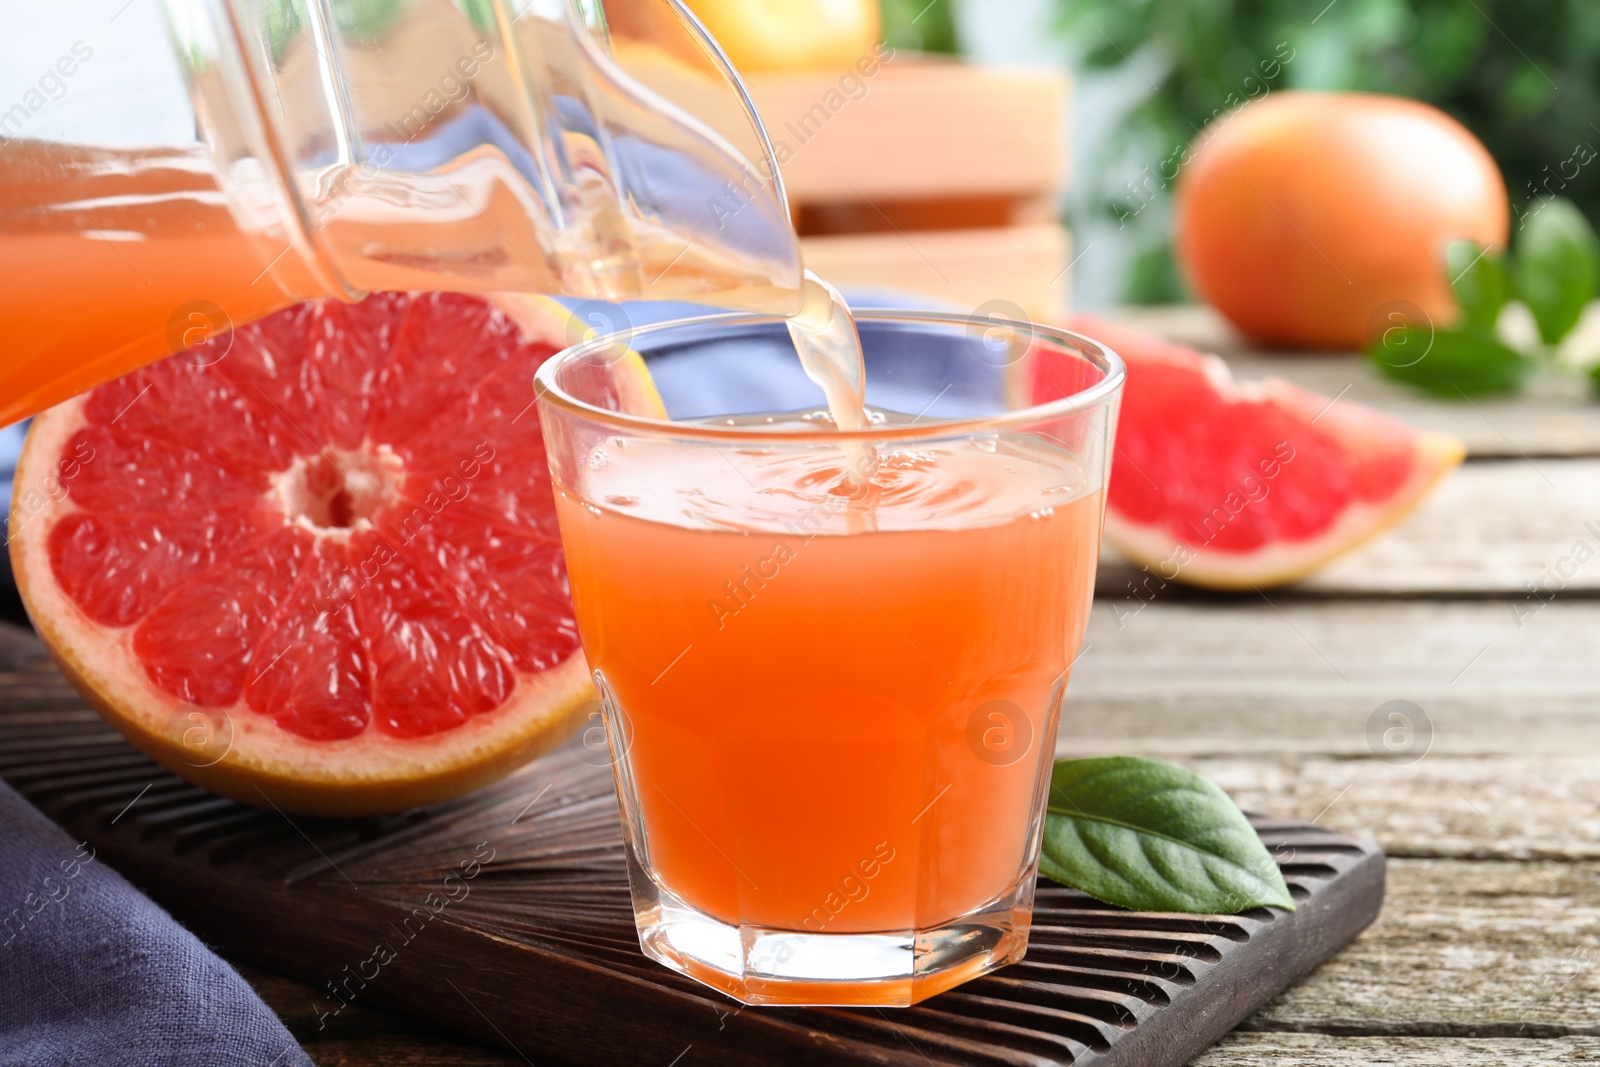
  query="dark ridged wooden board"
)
[{"x": 531, "y": 944}]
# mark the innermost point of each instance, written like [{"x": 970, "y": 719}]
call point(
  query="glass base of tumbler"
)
[{"x": 759, "y": 965}]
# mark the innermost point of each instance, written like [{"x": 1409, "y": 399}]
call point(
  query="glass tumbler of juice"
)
[{"x": 831, "y": 664}]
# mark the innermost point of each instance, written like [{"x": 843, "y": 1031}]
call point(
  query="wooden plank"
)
[
  {"x": 1463, "y": 949},
  {"x": 1191, "y": 675},
  {"x": 405, "y": 1051},
  {"x": 298, "y": 1006},
  {"x": 1539, "y": 808},
  {"x": 964, "y": 269},
  {"x": 1323, "y": 1050},
  {"x": 1467, "y": 957},
  {"x": 945, "y": 213},
  {"x": 1505, "y": 807},
  {"x": 1504, "y": 951},
  {"x": 1527, "y": 529},
  {"x": 362, "y": 1035},
  {"x": 918, "y": 127},
  {"x": 1491, "y": 527},
  {"x": 1556, "y": 417}
]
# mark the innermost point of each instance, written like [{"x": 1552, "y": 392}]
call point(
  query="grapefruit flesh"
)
[
  {"x": 1239, "y": 485},
  {"x": 314, "y": 563}
]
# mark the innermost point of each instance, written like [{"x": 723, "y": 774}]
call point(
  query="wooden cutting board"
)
[{"x": 505, "y": 915}]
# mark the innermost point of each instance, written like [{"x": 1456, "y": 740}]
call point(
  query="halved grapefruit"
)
[
  {"x": 314, "y": 563},
  {"x": 1238, "y": 485}
]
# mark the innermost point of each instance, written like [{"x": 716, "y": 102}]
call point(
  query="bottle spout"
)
[{"x": 686, "y": 158}]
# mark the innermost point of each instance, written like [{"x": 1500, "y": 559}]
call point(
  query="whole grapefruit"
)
[
  {"x": 1301, "y": 214},
  {"x": 782, "y": 35}
]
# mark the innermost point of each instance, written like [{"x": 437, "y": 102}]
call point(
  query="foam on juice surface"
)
[{"x": 942, "y": 485}]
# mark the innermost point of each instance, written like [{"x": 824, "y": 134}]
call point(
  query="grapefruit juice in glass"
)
[{"x": 831, "y": 697}]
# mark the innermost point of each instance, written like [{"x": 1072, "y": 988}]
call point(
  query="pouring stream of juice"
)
[{"x": 824, "y": 336}]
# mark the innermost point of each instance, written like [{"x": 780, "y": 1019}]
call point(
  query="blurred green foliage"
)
[
  {"x": 1524, "y": 76},
  {"x": 920, "y": 25},
  {"x": 1553, "y": 267}
]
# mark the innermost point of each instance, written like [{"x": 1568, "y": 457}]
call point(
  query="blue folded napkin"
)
[
  {"x": 93, "y": 973},
  {"x": 10, "y": 448}
]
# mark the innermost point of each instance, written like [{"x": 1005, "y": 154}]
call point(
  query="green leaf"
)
[
  {"x": 1143, "y": 834},
  {"x": 1557, "y": 267},
  {"x": 1479, "y": 280},
  {"x": 1450, "y": 363}
]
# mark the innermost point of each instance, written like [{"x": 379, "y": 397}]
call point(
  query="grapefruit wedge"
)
[
  {"x": 314, "y": 563},
  {"x": 1240, "y": 485}
]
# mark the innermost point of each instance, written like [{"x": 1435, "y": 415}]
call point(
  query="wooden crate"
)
[
  {"x": 967, "y": 269},
  {"x": 927, "y": 175}
]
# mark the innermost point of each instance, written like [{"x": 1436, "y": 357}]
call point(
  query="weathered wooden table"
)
[{"x": 1484, "y": 613}]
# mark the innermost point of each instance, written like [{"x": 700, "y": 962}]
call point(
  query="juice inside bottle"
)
[{"x": 112, "y": 258}]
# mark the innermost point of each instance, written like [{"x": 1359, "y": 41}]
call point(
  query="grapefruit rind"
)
[
  {"x": 1286, "y": 562},
  {"x": 249, "y": 758},
  {"x": 1153, "y": 546},
  {"x": 637, "y": 393}
]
